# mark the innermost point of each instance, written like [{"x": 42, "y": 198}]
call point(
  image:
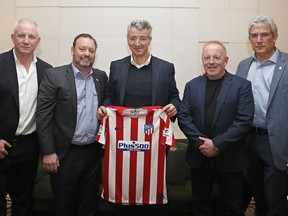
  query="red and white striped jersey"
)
[{"x": 135, "y": 139}]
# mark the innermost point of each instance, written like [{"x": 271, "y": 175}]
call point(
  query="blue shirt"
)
[
  {"x": 87, "y": 104},
  {"x": 261, "y": 76}
]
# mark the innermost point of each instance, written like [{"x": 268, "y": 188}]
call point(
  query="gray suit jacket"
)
[
  {"x": 277, "y": 109},
  {"x": 57, "y": 108}
]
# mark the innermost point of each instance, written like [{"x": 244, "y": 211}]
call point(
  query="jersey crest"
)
[{"x": 148, "y": 129}]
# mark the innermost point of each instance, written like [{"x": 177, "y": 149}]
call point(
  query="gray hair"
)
[
  {"x": 140, "y": 25},
  {"x": 25, "y": 20},
  {"x": 263, "y": 21}
]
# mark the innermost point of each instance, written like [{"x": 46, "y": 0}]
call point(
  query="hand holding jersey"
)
[{"x": 135, "y": 141}]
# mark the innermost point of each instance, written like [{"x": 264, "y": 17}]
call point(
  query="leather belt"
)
[
  {"x": 20, "y": 137},
  {"x": 81, "y": 146},
  {"x": 260, "y": 131}
]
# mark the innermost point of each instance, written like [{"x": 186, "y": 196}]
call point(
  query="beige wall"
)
[
  {"x": 7, "y": 19},
  {"x": 180, "y": 27},
  {"x": 278, "y": 10}
]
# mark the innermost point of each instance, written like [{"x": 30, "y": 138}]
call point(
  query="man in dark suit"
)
[
  {"x": 67, "y": 125},
  {"x": 267, "y": 70},
  {"x": 20, "y": 75},
  {"x": 141, "y": 80},
  {"x": 216, "y": 114}
]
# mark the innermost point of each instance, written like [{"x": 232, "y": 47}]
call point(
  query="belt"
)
[
  {"x": 260, "y": 131},
  {"x": 20, "y": 137},
  {"x": 81, "y": 146}
]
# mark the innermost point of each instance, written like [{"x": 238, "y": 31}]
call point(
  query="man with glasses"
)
[
  {"x": 215, "y": 114},
  {"x": 268, "y": 141}
]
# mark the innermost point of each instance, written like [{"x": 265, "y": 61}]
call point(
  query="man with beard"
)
[{"x": 67, "y": 125}]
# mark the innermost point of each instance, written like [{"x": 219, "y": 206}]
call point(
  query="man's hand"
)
[
  {"x": 51, "y": 163},
  {"x": 101, "y": 112},
  {"x": 208, "y": 148},
  {"x": 3, "y": 145},
  {"x": 170, "y": 109}
]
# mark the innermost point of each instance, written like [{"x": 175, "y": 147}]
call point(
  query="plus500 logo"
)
[{"x": 133, "y": 145}]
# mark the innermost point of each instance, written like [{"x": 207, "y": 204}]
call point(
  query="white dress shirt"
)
[{"x": 28, "y": 90}]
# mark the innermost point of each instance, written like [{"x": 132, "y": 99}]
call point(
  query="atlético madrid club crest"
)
[{"x": 148, "y": 129}]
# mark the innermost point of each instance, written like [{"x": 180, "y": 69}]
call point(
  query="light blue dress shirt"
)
[
  {"x": 261, "y": 76},
  {"x": 87, "y": 104}
]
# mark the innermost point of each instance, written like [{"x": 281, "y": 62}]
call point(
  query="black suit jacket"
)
[
  {"x": 164, "y": 90},
  {"x": 232, "y": 121},
  {"x": 9, "y": 93},
  {"x": 57, "y": 108}
]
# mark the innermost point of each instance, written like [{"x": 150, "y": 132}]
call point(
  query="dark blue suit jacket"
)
[
  {"x": 232, "y": 121},
  {"x": 9, "y": 93},
  {"x": 164, "y": 90}
]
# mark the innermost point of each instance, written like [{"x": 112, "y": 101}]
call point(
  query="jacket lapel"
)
[
  {"x": 201, "y": 97},
  {"x": 226, "y": 85},
  {"x": 40, "y": 71},
  {"x": 96, "y": 79},
  {"x": 278, "y": 71},
  {"x": 155, "y": 77},
  {"x": 72, "y": 87},
  {"x": 244, "y": 71},
  {"x": 123, "y": 78},
  {"x": 11, "y": 73}
]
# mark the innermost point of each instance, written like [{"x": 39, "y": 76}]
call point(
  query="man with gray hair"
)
[
  {"x": 20, "y": 75},
  {"x": 139, "y": 80},
  {"x": 268, "y": 141}
]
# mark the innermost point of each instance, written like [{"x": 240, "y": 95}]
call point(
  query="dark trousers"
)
[
  {"x": 17, "y": 175},
  {"x": 76, "y": 184},
  {"x": 231, "y": 186},
  {"x": 141, "y": 210},
  {"x": 269, "y": 185}
]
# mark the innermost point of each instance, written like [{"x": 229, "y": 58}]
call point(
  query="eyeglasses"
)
[
  {"x": 263, "y": 35},
  {"x": 216, "y": 59}
]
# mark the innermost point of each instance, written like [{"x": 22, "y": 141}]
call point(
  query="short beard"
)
[{"x": 84, "y": 65}]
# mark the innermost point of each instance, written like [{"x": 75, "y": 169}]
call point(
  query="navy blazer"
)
[
  {"x": 232, "y": 121},
  {"x": 277, "y": 108},
  {"x": 9, "y": 93},
  {"x": 56, "y": 112},
  {"x": 164, "y": 90}
]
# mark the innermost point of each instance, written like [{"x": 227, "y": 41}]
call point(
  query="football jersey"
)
[{"x": 135, "y": 142}]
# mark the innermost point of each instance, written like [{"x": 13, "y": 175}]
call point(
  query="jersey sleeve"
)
[
  {"x": 167, "y": 135},
  {"x": 100, "y": 137}
]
